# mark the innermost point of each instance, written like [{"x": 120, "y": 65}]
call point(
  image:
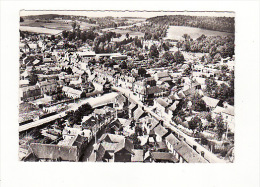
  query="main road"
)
[{"x": 190, "y": 140}]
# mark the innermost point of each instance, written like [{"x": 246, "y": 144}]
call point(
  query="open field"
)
[
  {"x": 50, "y": 27},
  {"x": 40, "y": 30},
  {"x": 176, "y": 32}
]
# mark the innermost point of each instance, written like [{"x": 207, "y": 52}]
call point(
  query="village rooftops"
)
[
  {"x": 160, "y": 130},
  {"x": 229, "y": 110},
  {"x": 172, "y": 140},
  {"x": 174, "y": 106},
  {"x": 162, "y": 102},
  {"x": 125, "y": 144},
  {"x": 210, "y": 101},
  {"x": 111, "y": 138},
  {"x": 138, "y": 155},
  {"x": 163, "y": 157},
  {"x": 189, "y": 154}
]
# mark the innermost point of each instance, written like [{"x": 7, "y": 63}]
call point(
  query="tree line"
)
[{"x": 223, "y": 24}]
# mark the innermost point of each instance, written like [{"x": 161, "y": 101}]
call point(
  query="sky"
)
[{"x": 144, "y": 14}]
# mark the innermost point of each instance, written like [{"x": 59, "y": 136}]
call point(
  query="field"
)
[
  {"x": 50, "y": 27},
  {"x": 176, "y": 32}
]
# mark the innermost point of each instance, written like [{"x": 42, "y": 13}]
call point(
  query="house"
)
[
  {"x": 55, "y": 152},
  {"x": 139, "y": 113},
  {"x": 171, "y": 142},
  {"x": 30, "y": 93},
  {"x": 210, "y": 102},
  {"x": 48, "y": 87},
  {"x": 99, "y": 154},
  {"x": 160, "y": 133},
  {"x": 71, "y": 92},
  {"x": 160, "y": 106},
  {"x": 111, "y": 138},
  {"x": 124, "y": 151},
  {"x": 185, "y": 154},
  {"x": 138, "y": 155},
  {"x": 163, "y": 157},
  {"x": 162, "y": 76},
  {"x": 227, "y": 114},
  {"x": 132, "y": 107}
]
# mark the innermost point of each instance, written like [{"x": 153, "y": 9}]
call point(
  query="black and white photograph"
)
[
  {"x": 129, "y": 93},
  {"x": 113, "y": 86}
]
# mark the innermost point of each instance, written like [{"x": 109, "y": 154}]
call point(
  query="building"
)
[
  {"x": 30, "y": 93},
  {"x": 124, "y": 151}
]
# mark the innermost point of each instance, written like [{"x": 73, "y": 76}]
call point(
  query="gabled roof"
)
[
  {"x": 160, "y": 131},
  {"x": 188, "y": 153},
  {"x": 138, "y": 113},
  {"x": 109, "y": 146},
  {"x": 50, "y": 151},
  {"x": 138, "y": 155},
  {"x": 174, "y": 106},
  {"x": 210, "y": 101},
  {"x": 111, "y": 138},
  {"x": 162, "y": 102},
  {"x": 132, "y": 105},
  {"x": 228, "y": 110},
  {"x": 100, "y": 152},
  {"x": 172, "y": 140},
  {"x": 154, "y": 123},
  {"x": 125, "y": 144},
  {"x": 162, "y": 156},
  {"x": 153, "y": 90}
]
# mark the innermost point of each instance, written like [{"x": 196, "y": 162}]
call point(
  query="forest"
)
[{"x": 223, "y": 24}]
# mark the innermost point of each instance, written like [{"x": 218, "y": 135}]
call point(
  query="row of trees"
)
[
  {"x": 222, "y": 92},
  {"x": 224, "y": 24},
  {"x": 195, "y": 124},
  {"x": 217, "y": 46}
]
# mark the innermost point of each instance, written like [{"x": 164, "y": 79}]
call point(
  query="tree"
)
[
  {"x": 198, "y": 104},
  {"x": 178, "y": 57},
  {"x": 127, "y": 35},
  {"x": 154, "y": 51},
  {"x": 65, "y": 34},
  {"x": 220, "y": 125},
  {"x": 123, "y": 65},
  {"x": 168, "y": 56},
  {"x": 73, "y": 24},
  {"x": 69, "y": 70},
  {"x": 211, "y": 86},
  {"x": 33, "y": 78},
  {"x": 141, "y": 72},
  {"x": 194, "y": 123}
]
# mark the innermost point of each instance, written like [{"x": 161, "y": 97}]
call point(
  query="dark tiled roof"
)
[
  {"x": 125, "y": 144},
  {"x": 162, "y": 156}
]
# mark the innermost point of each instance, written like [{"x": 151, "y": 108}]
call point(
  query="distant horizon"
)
[{"x": 126, "y": 13}]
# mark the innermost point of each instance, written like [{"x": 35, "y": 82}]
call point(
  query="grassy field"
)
[
  {"x": 50, "y": 27},
  {"x": 176, "y": 32}
]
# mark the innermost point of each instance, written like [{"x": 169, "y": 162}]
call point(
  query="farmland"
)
[
  {"x": 176, "y": 32},
  {"x": 50, "y": 26}
]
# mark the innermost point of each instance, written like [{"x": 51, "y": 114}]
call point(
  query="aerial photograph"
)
[{"x": 137, "y": 86}]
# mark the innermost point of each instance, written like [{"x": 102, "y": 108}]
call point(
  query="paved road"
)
[{"x": 190, "y": 140}]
